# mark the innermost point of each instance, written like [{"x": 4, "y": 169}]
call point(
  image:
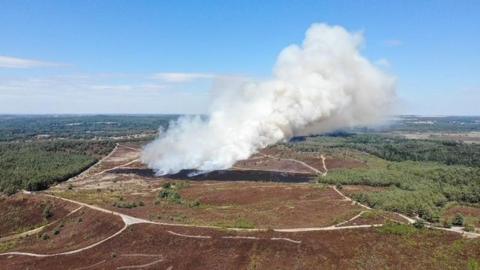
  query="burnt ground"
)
[
  {"x": 249, "y": 203},
  {"x": 224, "y": 175}
]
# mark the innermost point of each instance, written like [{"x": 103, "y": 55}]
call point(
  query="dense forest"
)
[
  {"x": 401, "y": 149},
  {"x": 412, "y": 187},
  {"x": 35, "y": 166}
]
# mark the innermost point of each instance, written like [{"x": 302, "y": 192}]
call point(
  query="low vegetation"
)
[
  {"x": 169, "y": 193},
  {"x": 419, "y": 176}
]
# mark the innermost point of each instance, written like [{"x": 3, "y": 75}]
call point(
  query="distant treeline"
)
[
  {"x": 400, "y": 149},
  {"x": 416, "y": 124},
  {"x": 14, "y": 127},
  {"x": 35, "y": 166}
]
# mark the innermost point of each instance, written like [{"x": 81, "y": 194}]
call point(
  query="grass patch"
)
[
  {"x": 397, "y": 229},
  {"x": 6, "y": 246}
]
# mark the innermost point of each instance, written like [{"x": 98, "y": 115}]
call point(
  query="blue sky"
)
[{"x": 119, "y": 56}]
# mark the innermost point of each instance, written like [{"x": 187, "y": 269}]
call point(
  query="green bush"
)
[
  {"x": 47, "y": 211},
  {"x": 458, "y": 220},
  {"x": 419, "y": 224},
  {"x": 170, "y": 193},
  {"x": 473, "y": 264},
  {"x": 469, "y": 227},
  {"x": 446, "y": 223}
]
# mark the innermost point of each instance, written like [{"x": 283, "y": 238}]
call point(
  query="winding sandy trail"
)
[
  {"x": 84, "y": 173},
  {"x": 130, "y": 220},
  {"x": 66, "y": 252},
  {"x": 324, "y": 165}
]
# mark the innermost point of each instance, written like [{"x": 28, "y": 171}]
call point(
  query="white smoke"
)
[{"x": 323, "y": 85}]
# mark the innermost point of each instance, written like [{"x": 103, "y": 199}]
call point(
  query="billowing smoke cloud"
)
[{"x": 322, "y": 85}]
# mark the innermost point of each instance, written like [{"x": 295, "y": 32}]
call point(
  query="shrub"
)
[
  {"x": 128, "y": 205},
  {"x": 469, "y": 227},
  {"x": 473, "y": 264},
  {"x": 10, "y": 190},
  {"x": 419, "y": 224},
  {"x": 458, "y": 220},
  {"x": 169, "y": 193},
  {"x": 167, "y": 185},
  {"x": 194, "y": 204},
  {"x": 47, "y": 212},
  {"x": 446, "y": 223}
]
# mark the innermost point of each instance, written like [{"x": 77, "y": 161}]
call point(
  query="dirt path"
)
[
  {"x": 313, "y": 169},
  {"x": 116, "y": 167},
  {"x": 325, "y": 170},
  {"x": 82, "y": 174},
  {"x": 130, "y": 220},
  {"x": 67, "y": 252}
]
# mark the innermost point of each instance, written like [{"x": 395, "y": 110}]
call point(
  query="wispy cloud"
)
[
  {"x": 382, "y": 62},
  {"x": 98, "y": 93},
  {"x": 179, "y": 77},
  {"x": 86, "y": 84},
  {"x": 128, "y": 87},
  {"x": 393, "y": 42},
  {"x": 13, "y": 62}
]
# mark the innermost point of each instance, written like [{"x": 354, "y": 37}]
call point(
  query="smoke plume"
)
[{"x": 320, "y": 86}]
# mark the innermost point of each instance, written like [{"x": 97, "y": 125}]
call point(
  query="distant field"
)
[{"x": 433, "y": 124}]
